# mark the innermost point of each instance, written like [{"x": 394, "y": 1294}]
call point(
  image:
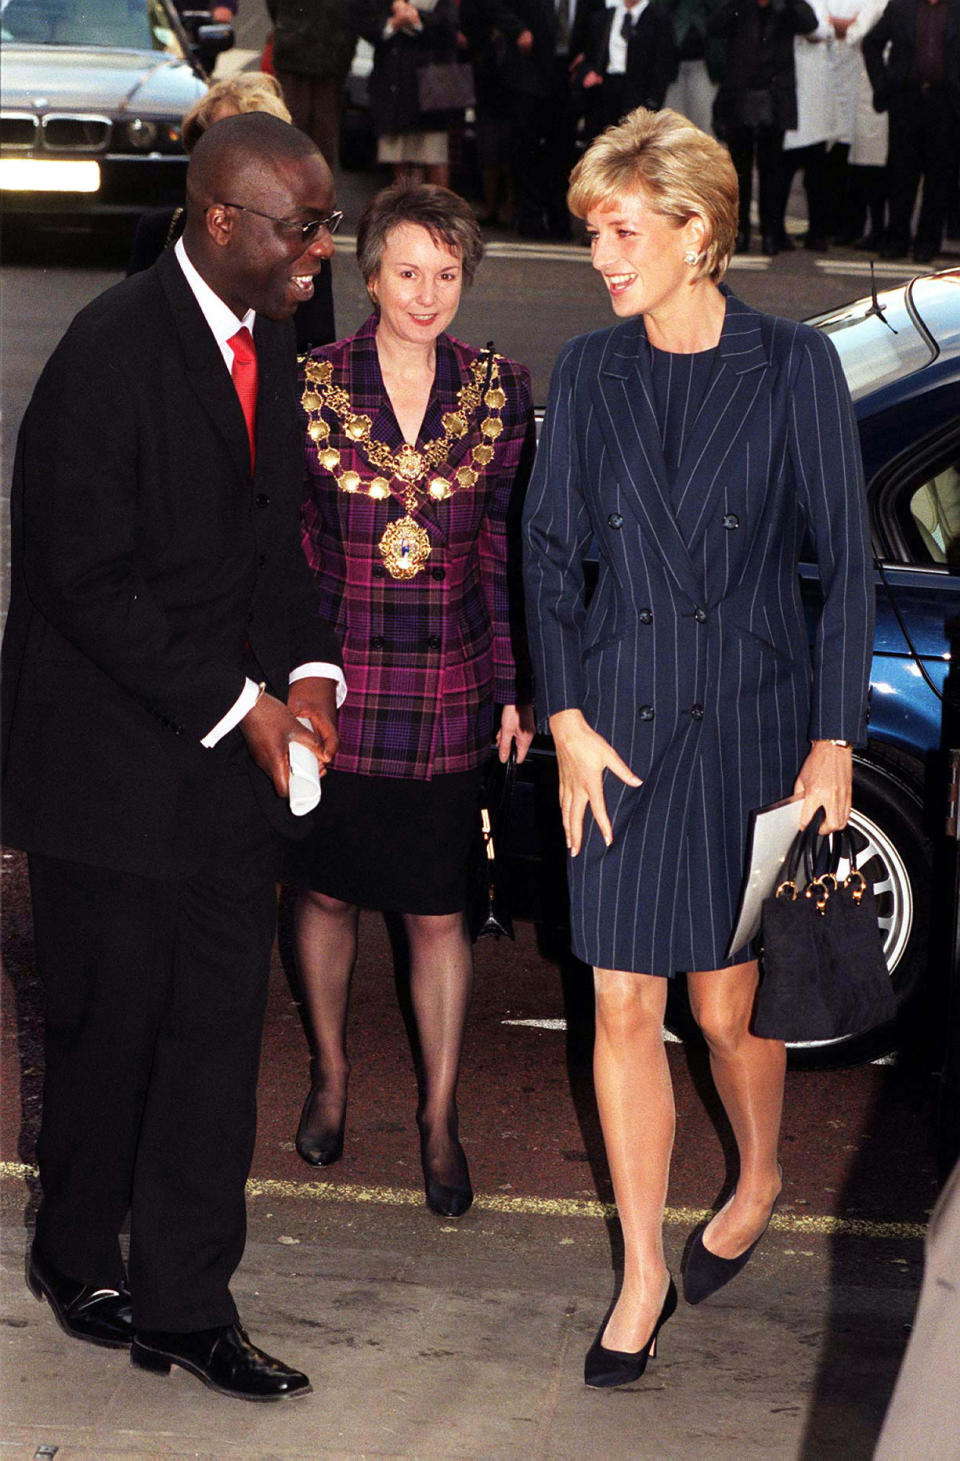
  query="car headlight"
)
[{"x": 142, "y": 135}]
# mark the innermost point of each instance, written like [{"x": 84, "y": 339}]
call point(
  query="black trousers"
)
[
  {"x": 765, "y": 144},
  {"x": 543, "y": 134},
  {"x": 155, "y": 993},
  {"x": 923, "y": 144},
  {"x": 813, "y": 162}
]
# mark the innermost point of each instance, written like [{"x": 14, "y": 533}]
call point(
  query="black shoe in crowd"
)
[
  {"x": 83, "y": 1310},
  {"x": 223, "y": 1359}
]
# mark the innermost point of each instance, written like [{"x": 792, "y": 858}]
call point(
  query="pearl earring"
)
[{"x": 690, "y": 257}]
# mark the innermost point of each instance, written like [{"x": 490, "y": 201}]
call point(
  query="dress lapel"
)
[
  {"x": 206, "y": 371},
  {"x": 623, "y": 395},
  {"x": 724, "y": 412}
]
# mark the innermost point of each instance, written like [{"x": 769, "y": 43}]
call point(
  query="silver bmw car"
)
[{"x": 91, "y": 99}]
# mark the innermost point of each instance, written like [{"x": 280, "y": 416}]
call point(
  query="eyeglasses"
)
[{"x": 307, "y": 231}]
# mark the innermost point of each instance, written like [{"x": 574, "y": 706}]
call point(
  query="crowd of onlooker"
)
[{"x": 861, "y": 98}]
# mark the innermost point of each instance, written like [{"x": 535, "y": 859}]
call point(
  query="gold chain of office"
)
[{"x": 418, "y": 471}]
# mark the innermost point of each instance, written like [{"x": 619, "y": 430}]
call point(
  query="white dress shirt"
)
[
  {"x": 617, "y": 46},
  {"x": 224, "y": 324}
]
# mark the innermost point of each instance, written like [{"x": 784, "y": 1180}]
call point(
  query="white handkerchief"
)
[{"x": 304, "y": 776}]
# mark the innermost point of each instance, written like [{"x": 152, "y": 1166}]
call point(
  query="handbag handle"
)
[{"x": 821, "y": 858}]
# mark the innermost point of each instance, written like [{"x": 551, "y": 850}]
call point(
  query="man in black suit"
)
[
  {"x": 542, "y": 54},
  {"x": 631, "y": 58},
  {"x": 162, "y": 641},
  {"x": 912, "y": 56}
]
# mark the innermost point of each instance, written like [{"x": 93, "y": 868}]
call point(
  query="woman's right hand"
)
[{"x": 582, "y": 758}]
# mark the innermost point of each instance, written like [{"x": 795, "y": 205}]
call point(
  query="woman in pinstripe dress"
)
[{"x": 695, "y": 443}]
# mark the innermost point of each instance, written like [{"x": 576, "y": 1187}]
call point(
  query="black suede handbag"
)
[
  {"x": 488, "y": 907},
  {"x": 823, "y": 971}
]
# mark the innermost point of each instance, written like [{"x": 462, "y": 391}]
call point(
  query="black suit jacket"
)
[
  {"x": 652, "y": 57},
  {"x": 533, "y": 72},
  {"x": 151, "y": 572},
  {"x": 741, "y": 24},
  {"x": 889, "y": 70}
]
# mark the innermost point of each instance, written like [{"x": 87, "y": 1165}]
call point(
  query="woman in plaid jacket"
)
[{"x": 415, "y": 444}]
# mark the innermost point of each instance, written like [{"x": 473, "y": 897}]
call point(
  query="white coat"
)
[
  {"x": 868, "y": 146},
  {"x": 817, "y": 116}
]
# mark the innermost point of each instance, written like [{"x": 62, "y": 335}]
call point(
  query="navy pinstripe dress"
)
[{"x": 697, "y": 479}]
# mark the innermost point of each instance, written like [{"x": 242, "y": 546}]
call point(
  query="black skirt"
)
[{"x": 393, "y": 843}]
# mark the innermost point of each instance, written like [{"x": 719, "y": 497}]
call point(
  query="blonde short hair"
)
[
  {"x": 680, "y": 171},
  {"x": 248, "y": 91}
]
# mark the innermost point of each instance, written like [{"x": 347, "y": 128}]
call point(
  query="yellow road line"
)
[{"x": 805, "y": 1224}]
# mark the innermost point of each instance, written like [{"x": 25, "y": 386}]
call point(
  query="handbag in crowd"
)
[
  {"x": 445, "y": 86},
  {"x": 823, "y": 971},
  {"x": 488, "y": 908}
]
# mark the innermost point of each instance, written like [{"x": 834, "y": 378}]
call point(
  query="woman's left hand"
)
[
  {"x": 518, "y": 725},
  {"x": 826, "y": 780}
]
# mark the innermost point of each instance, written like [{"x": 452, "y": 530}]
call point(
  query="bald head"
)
[
  {"x": 258, "y": 199},
  {"x": 249, "y": 148}
]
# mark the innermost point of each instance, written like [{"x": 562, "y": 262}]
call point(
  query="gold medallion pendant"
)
[{"x": 405, "y": 548}]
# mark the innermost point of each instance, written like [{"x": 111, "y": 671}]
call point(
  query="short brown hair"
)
[
  {"x": 681, "y": 171},
  {"x": 249, "y": 91},
  {"x": 445, "y": 215}
]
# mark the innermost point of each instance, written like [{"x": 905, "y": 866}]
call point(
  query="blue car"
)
[{"x": 901, "y": 355}]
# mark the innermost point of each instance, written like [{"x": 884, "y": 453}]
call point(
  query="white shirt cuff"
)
[
  {"x": 322, "y": 671},
  {"x": 245, "y": 701}
]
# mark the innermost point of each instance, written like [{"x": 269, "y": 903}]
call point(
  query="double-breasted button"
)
[
  {"x": 379, "y": 571},
  {"x": 730, "y": 521},
  {"x": 700, "y": 615},
  {"x": 645, "y": 616},
  {"x": 261, "y": 561},
  {"x": 645, "y": 712},
  {"x": 438, "y": 573},
  {"x": 696, "y": 712},
  {"x": 377, "y": 641},
  {"x": 262, "y": 500},
  {"x": 433, "y": 641},
  {"x": 615, "y": 520}
]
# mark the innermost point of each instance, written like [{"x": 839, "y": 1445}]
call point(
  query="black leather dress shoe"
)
[
  {"x": 98, "y": 1315},
  {"x": 223, "y": 1359}
]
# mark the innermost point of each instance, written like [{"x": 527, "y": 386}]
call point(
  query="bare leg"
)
[
  {"x": 326, "y": 940},
  {"x": 635, "y": 1100},
  {"x": 441, "y": 980},
  {"x": 748, "y": 1074}
]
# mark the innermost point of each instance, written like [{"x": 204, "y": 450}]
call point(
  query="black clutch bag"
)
[
  {"x": 488, "y": 908},
  {"x": 823, "y": 972}
]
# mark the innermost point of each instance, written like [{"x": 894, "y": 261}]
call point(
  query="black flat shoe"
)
[
  {"x": 447, "y": 1199},
  {"x": 605, "y": 1368},
  {"x": 98, "y": 1315},
  {"x": 705, "y": 1272},
  {"x": 323, "y": 1147},
  {"x": 223, "y": 1359}
]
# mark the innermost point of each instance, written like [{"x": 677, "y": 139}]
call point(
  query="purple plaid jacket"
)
[{"x": 427, "y": 658}]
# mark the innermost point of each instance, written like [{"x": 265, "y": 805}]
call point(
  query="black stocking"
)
[
  {"x": 326, "y": 937},
  {"x": 441, "y": 979}
]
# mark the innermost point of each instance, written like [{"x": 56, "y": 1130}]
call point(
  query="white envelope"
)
[
  {"x": 304, "y": 777},
  {"x": 771, "y": 831}
]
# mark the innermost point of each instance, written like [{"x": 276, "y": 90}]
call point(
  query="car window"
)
[
  {"x": 935, "y": 510},
  {"x": 138, "y": 24}
]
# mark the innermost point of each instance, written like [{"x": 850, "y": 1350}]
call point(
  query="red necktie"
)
[{"x": 244, "y": 375}]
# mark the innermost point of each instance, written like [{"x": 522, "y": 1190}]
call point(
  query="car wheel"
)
[{"x": 895, "y": 856}]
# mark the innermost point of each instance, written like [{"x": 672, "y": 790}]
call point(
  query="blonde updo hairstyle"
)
[
  {"x": 679, "y": 170},
  {"x": 248, "y": 91}
]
